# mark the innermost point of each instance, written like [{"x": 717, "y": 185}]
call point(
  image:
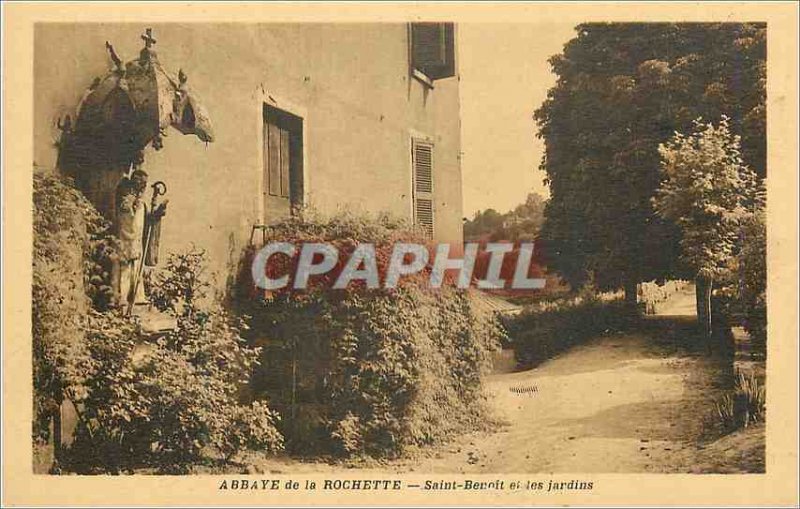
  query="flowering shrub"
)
[{"x": 367, "y": 371}]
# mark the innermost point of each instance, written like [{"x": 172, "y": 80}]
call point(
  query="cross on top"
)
[{"x": 148, "y": 38}]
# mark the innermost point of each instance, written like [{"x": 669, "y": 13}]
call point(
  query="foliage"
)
[
  {"x": 139, "y": 401},
  {"x": 101, "y": 264},
  {"x": 64, "y": 225},
  {"x": 523, "y": 223},
  {"x": 623, "y": 89},
  {"x": 347, "y": 435},
  {"x": 165, "y": 400},
  {"x": 360, "y": 371},
  {"x": 181, "y": 287},
  {"x": 709, "y": 193},
  {"x": 547, "y": 329},
  {"x": 743, "y": 406},
  {"x": 752, "y": 287}
]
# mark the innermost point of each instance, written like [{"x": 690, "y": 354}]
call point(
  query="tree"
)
[
  {"x": 623, "y": 89},
  {"x": 525, "y": 221},
  {"x": 483, "y": 223},
  {"x": 711, "y": 194},
  {"x": 522, "y": 223}
]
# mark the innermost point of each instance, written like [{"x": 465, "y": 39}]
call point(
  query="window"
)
[
  {"x": 422, "y": 185},
  {"x": 433, "y": 49},
  {"x": 283, "y": 162}
]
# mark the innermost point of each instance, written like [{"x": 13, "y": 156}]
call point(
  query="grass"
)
[{"x": 742, "y": 406}]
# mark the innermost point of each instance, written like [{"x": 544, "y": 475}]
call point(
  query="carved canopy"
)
[{"x": 134, "y": 104}]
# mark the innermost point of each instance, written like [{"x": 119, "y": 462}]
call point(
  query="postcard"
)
[{"x": 400, "y": 254}]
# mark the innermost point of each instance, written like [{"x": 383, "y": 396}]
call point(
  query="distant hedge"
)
[
  {"x": 361, "y": 371},
  {"x": 548, "y": 329}
]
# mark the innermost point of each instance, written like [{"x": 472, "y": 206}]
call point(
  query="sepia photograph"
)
[{"x": 425, "y": 256}]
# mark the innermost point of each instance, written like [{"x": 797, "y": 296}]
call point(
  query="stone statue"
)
[{"x": 135, "y": 224}]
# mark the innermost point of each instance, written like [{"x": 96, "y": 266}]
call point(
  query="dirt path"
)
[
  {"x": 620, "y": 403},
  {"x": 682, "y": 303},
  {"x": 609, "y": 406}
]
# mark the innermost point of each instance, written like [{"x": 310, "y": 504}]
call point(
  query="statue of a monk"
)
[{"x": 135, "y": 226}]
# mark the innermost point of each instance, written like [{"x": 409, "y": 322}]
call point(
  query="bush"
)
[
  {"x": 168, "y": 401},
  {"x": 208, "y": 346},
  {"x": 547, "y": 329},
  {"x": 65, "y": 230},
  {"x": 140, "y": 401},
  {"x": 753, "y": 281},
  {"x": 740, "y": 297},
  {"x": 72, "y": 247},
  {"x": 360, "y": 371}
]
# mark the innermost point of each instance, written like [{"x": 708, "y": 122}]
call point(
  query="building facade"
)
[{"x": 359, "y": 117}]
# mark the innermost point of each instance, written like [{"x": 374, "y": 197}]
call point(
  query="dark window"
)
[
  {"x": 433, "y": 49},
  {"x": 283, "y": 161}
]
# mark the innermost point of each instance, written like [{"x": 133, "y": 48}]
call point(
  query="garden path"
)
[{"x": 619, "y": 403}]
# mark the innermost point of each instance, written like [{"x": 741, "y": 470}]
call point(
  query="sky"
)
[{"x": 504, "y": 78}]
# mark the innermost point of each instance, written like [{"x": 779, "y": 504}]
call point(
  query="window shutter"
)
[
  {"x": 433, "y": 49},
  {"x": 274, "y": 159},
  {"x": 422, "y": 158},
  {"x": 284, "y": 171},
  {"x": 277, "y": 156}
]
